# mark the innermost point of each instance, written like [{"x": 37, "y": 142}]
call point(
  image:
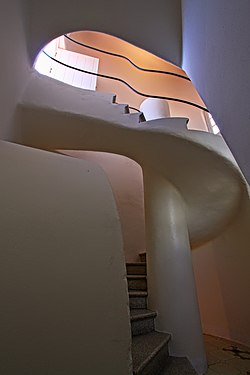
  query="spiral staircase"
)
[{"x": 202, "y": 181}]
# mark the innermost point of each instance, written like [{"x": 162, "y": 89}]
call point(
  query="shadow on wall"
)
[
  {"x": 223, "y": 281},
  {"x": 126, "y": 180}
]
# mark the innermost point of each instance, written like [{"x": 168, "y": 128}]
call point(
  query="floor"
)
[{"x": 226, "y": 357}]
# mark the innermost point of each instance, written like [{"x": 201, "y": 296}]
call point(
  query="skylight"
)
[
  {"x": 51, "y": 68},
  {"x": 213, "y": 125}
]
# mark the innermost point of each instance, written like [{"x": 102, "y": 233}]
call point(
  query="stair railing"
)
[
  {"x": 128, "y": 85},
  {"x": 125, "y": 58}
]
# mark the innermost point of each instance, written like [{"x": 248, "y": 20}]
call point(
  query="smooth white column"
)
[{"x": 171, "y": 284}]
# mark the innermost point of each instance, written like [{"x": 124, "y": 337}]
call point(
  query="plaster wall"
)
[
  {"x": 223, "y": 281},
  {"x": 54, "y": 115},
  {"x": 112, "y": 18},
  {"x": 145, "y": 82},
  {"x": 63, "y": 290},
  {"x": 171, "y": 284},
  {"x": 209, "y": 42},
  {"x": 48, "y": 118},
  {"x": 14, "y": 65},
  {"x": 110, "y": 43},
  {"x": 216, "y": 56},
  {"x": 125, "y": 178}
]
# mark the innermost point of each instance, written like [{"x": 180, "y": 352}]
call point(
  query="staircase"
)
[
  {"x": 55, "y": 116},
  {"x": 149, "y": 347}
]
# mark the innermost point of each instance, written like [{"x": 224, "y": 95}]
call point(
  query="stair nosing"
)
[
  {"x": 153, "y": 353},
  {"x": 137, "y": 293},
  {"x": 144, "y": 314},
  {"x": 136, "y": 263},
  {"x": 136, "y": 277}
]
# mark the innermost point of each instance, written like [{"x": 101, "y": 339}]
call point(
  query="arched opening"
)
[{"x": 101, "y": 62}]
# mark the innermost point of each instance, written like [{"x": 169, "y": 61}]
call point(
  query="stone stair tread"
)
[
  {"x": 149, "y": 348},
  {"x": 146, "y": 347},
  {"x": 137, "y": 293},
  {"x": 136, "y": 268},
  {"x": 137, "y": 282},
  {"x": 143, "y": 264},
  {"x": 136, "y": 276},
  {"x": 138, "y": 299},
  {"x": 139, "y": 314}
]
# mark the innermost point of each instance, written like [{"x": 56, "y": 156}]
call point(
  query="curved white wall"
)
[
  {"x": 216, "y": 56},
  {"x": 44, "y": 124},
  {"x": 171, "y": 283},
  {"x": 14, "y": 64},
  {"x": 145, "y": 82},
  {"x": 219, "y": 59},
  {"x": 138, "y": 22},
  {"x": 223, "y": 281},
  {"x": 63, "y": 290},
  {"x": 125, "y": 178}
]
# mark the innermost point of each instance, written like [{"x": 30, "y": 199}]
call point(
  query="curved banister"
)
[
  {"x": 127, "y": 59},
  {"x": 134, "y": 109},
  {"x": 128, "y": 85}
]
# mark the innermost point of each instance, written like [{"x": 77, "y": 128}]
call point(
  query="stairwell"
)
[
  {"x": 149, "y": 348},
  {"x": 55, "y": 116}
]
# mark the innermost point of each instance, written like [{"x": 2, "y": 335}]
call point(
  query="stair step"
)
[
  {"x": 149, "y": 348},
  {"x": 143, "y": 256},
  {"x": 136, "y": 268},
  {"x": 139, "y": 314},
  {"x": 121, "y": 108},
  {"x": 149, "y": 353},
  {"x": 126, "y": 108},
  {"x": 136, "y": 117},
  {"x": 142, "y": 321},
  {"x": 113, "y": 99},
  {"x": 137, "y": 282},
  {"x": 138, "y": 299},
  {"x": 142, "y": 117}
]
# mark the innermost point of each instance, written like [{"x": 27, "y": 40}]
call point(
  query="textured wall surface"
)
[
  {"x": 125, "y": 178},
  {"x": 216, "y": 56},
  {"x": 63, "y": 288},
  {"x": 223, "y": 281},
  {"x": 153, "y": 26},
  {"x": 13, "y": 63}
]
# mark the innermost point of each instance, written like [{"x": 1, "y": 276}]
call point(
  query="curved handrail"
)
[
  {"x": 135, "y": 109},
  {"x": 128, "y": 85},
  {"x": 127, "y": 59}
]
